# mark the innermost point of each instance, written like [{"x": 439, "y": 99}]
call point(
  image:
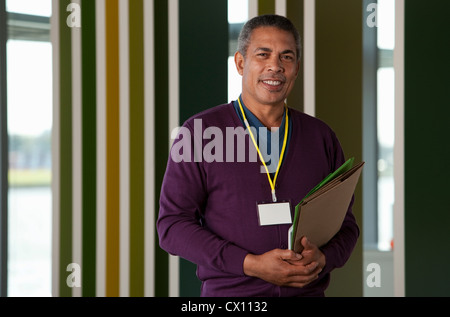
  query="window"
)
[
  {"x": 30, "y": 7},
  {"x": 378, "y": 221},
  {"x": 237, "y": 16},
  {"x": 29, "y": 102},
  {"x": 385, "y": 120}
]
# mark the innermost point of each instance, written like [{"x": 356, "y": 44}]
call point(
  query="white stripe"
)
[
  {"x": 100, "y": 20},
  {"x": 399, "y": 155},
  {"x": 174, "y": 117},
  {"x": 77, "y": 149},
  {"x": 124, "y": 149},
  {"x": 149, "y": 151},
  {"x": 174, "y": 102},
  {"x": 309, "y": 51},
  {"x": 54, "y": 32},
  {"x": 281, "y": 7},
  {"x": 252, "y": 8}
]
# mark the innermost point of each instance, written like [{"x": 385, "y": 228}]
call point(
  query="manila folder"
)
[{"x": 321, "y": 215}]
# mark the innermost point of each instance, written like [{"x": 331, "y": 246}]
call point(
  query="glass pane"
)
[
  {"x": 386, "y": 24},
  {"x": 234, "y": 80},
  {"x": 386, "y": 158},
  {"x": 32, "y": 7},
  {"x": 29, "y": 67},
  {"x": 382, "y": 255},
  {"x": 237, "y": 15},
  {"x": 237, "y": 11}
]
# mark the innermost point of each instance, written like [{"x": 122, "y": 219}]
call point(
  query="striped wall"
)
[
  {"x": 132, "y": 72},
  {"x": 117, "y": 96},
  {"x": 105, "y": 144}
]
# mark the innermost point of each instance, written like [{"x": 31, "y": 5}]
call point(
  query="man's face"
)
[{"x": 270, "y": 68}]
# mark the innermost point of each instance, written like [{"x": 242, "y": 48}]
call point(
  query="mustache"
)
[{"x": 279, "y": 77}]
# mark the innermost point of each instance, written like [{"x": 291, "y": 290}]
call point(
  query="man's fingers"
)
[
  {"x": 303, "y": 277},
  {"x": 288, "y": 255},
  {"x": 306, "y": 243},
  {"x": 303, "y": 270},
  {"x": 282, "y": 267}
]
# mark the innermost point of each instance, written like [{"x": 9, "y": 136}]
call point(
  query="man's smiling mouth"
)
[{"x": 272, "y": 82}]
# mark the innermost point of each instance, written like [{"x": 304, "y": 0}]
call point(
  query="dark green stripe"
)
[
  {"x": 89, "y": 146},
  {"x": 65, "y": 154},
  {"x": 161, "y": 132},
  {"x": 427, "y": 111},
  {"x": 203, "y": 79},
  {"x": 137, "y": 147},
  {"x": 266, "y": 7}
]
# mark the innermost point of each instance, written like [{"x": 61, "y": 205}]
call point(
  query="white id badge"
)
[{"x": 274, "y": 214}]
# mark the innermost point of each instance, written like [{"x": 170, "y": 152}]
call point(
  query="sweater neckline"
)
[{"x": 290, "y": 154}]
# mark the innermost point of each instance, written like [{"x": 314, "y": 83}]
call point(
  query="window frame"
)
[
  {"x": 16, "y": 26},
  {"x": 3, "y": 155}
]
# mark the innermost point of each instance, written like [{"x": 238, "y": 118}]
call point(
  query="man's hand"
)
[
  {"x": 285, "y": 267},
  {"x": 311, "y": 253}
]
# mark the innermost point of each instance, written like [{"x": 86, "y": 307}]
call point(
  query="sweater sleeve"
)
[
  {"x": 339, "y": 249},
  {"x": 182, "y": 202}
]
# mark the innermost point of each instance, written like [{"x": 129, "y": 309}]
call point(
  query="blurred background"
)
[{"x": 94, "y": 88}]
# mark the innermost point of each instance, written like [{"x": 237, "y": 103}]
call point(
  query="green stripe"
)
[
  {"x": 161, "y": 134},
  {"x": 427, "y": 216},
  {"x": 65, "y": 154},
  {"x": 266, "y": 7},
  {"x": 89, "y": 146},
  {"x": 339, "y": 103},
  {"x": 201, "y": 86},
  {"x": 136, "y": 148}
]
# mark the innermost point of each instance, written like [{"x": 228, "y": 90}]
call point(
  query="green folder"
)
[{"x": 342, "y": 169}]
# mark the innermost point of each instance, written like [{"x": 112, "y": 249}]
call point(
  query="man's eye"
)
[{"x": 288, "y": 57}]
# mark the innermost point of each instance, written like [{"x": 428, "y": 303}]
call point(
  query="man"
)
[{"x": 210, "y": 210}]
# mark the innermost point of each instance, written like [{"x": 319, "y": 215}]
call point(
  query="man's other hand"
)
[{"x": 285, "y": 267}]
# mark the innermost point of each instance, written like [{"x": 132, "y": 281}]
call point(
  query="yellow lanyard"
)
[{"x": 272, "y": 183}]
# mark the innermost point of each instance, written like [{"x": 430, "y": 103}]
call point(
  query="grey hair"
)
[{"x": 267, "y": 20}]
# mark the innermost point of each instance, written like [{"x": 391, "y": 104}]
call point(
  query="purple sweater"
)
[{"x": 208, "y": 211}]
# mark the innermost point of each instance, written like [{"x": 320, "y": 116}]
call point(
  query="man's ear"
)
[{"x": 239, "y": 61}]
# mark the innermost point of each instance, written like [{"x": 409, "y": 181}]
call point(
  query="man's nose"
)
[{"x": 275, "y": 64}]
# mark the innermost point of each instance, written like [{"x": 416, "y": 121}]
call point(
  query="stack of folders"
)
[{"x": 320, "y": 214}]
